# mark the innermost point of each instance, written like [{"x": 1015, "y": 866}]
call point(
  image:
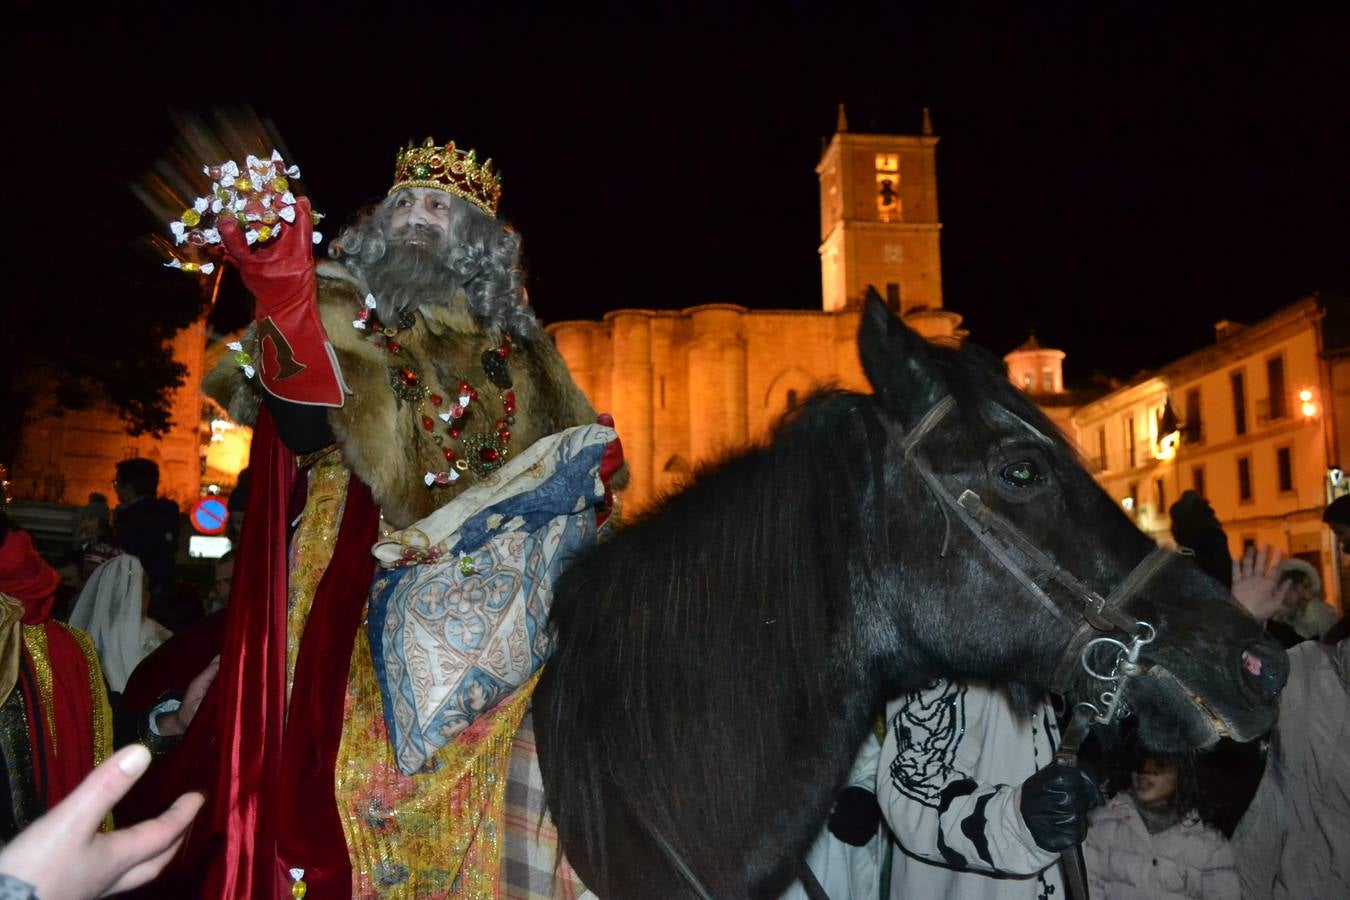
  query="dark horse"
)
[{"x": 718, "y": 663}]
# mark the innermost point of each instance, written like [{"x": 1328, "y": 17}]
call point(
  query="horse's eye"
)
[{"x": 1022, "y": 473}]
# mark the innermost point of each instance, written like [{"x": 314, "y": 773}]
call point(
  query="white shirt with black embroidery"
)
[{"x": 949, "y": 785}]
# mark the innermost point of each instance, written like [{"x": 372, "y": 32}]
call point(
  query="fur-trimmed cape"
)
[{"x": 381, "y": 436}]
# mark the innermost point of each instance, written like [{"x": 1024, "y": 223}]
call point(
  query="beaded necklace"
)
[{"x": 476, "y": 451}]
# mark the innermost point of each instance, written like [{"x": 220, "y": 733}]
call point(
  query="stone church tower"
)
[
  {"x": 879, "y": 224},
  {"x": 687, "y": 386}
]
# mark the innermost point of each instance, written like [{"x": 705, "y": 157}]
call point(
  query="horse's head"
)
[{"x": 1010, "y": 513}]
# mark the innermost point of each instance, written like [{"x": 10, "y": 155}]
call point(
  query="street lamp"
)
[
  {"x": 1169, "y": 433},
  {"x": 1309, "y": 405}
]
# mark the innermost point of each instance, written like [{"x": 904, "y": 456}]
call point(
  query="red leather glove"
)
[
  {"x": 610, "y": 462},
  {"x": 296, "y": 362}
]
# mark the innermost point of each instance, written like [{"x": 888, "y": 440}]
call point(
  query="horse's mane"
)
[{"x": 746, "y": 577}]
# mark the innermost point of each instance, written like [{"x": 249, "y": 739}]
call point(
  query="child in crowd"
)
[{"x": 1148, "y": 842}]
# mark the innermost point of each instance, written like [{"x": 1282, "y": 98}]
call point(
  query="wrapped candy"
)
[
  {"x": 204, "y": 268},
  {"x": 362, "y": 320},
  {"x": 258, "y": 196},
  {"x": 242, "y": 358}
]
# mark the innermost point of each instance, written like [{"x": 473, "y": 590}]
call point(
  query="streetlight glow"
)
[{"x": 1308, "y": 405}]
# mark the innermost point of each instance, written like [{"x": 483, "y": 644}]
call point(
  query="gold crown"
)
[{"x": 451, "y": 170}]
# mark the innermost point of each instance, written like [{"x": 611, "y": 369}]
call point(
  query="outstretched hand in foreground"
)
[
  {"x": 63, "y": 854},
  {"x": 1256, "y": 582}
]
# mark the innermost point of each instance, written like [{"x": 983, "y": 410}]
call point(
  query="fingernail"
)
[{"x": 135, "y": 761}]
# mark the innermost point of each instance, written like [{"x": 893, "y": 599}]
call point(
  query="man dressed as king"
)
[{"x": 423, "y": 465}]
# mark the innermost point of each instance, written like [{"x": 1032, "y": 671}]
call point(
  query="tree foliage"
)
[{"x": 96, "y": 333}]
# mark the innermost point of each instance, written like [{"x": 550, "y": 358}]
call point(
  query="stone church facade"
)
[{"x": 686, "y": 386}]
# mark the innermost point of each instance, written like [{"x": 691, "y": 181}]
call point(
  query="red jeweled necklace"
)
[{"x": 476, "y": 451}]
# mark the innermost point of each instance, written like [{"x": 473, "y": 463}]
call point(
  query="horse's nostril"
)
[
  {"x": 1263, "y": 669},
  {"x": 1252, "y": 663}
]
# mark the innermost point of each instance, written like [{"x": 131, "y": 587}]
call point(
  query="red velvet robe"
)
[
  {"x": 69, "y": 730},
  {"x": 269, "y": 780}
]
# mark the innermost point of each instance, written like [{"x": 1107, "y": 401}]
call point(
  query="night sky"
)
[{"x": 1116, "y": 180}]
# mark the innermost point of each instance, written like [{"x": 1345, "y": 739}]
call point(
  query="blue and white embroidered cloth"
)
[{"x": 459, "y": 619}]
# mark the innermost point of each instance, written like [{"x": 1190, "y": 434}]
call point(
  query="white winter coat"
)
[{"x": 1189, "y": 861}]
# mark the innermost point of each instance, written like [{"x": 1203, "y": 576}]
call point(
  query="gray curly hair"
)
[{"x": 478, "y": 254}]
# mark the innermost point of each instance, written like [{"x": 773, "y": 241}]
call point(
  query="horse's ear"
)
[{"x": 898, "y": 362}]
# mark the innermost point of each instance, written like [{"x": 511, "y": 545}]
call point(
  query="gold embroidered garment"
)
[
  {"x": 98, "y": 692},
  {"x": 35, "y": 641},
  {"x": 438, "y": 833},
  {"x": 312, "y": 549},
  {"x": 11, "y": 643}
]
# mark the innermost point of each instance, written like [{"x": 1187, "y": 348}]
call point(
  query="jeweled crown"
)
[{"x": 451, "y": 170}]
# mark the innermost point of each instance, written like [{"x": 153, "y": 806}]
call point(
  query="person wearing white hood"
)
[{"x": 112, "y": 609}]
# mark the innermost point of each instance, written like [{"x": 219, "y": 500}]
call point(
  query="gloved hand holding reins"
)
[{"x": 1055, "y": 802}]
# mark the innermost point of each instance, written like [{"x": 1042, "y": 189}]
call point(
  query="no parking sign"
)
[{"x": 209, "y": 515}]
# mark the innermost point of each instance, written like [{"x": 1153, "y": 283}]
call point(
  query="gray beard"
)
[{"x": 409, "y": 277}]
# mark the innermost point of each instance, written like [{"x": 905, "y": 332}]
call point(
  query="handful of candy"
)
[{"x": 258, "y": 196}]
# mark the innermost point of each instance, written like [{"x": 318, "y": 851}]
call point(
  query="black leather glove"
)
[
  {"x": 856, "y": 816},
  {"x": 1055, "y": 802}
]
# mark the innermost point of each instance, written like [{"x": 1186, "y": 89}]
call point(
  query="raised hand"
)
[
  {"x": 1256, "y": 584},
  {"x": 295, "y": 361},
  {"x": 177, "y": 722},
  {"x": 264, "y": 265}
]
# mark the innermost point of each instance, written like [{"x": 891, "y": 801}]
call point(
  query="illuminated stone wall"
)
[
  {"x": 67, "y": 454},
  {"x": 686, "y": 386}
]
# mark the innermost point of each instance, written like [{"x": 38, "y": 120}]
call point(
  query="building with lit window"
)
[{"x": 1249, "y": 422}]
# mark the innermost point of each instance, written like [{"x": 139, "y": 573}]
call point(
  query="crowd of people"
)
[
  {"x": 76, "y": 626},
  {"x": 404, "y": 398},
  {"x": 974, "y": 807}
]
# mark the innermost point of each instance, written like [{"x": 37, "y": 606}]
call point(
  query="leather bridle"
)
[
  {"x": 1093, "y": 618},
  {"x": 1101, "y": 617}
]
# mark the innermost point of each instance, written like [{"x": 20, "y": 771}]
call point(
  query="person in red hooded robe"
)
[{"x": 55, "y": 723}]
